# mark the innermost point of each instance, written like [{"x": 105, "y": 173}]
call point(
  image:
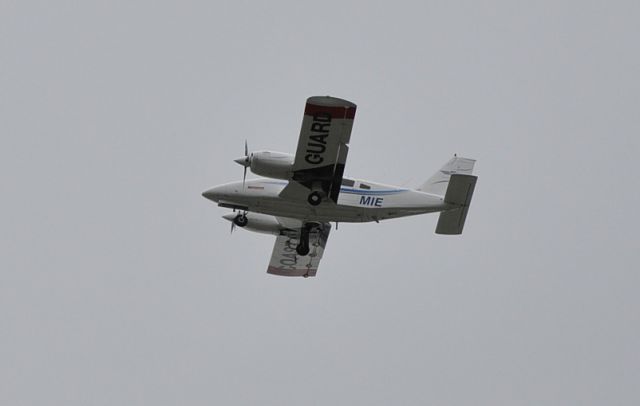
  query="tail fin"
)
[
  {"x": 459, "y": 193},
  {"x": 437, "y": 184}
]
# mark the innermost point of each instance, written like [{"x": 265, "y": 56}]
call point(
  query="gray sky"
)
[{"x": 120, "y": 284}]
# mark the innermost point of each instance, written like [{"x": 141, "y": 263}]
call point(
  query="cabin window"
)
[
  {"x": 365, "y": 186},
  {"x": 348, "y": 182}
]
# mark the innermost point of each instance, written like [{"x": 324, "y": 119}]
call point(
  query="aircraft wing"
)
[
  {"x": 286, "y": 262},
  {"x": 323, "y": 144}
]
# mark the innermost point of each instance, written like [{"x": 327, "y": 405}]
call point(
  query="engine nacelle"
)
[
  {"x": 271, "y": 164},
  {"x": 259, "y": 223}
]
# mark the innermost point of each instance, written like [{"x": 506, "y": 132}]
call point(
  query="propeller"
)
[
  {"x": 230, "y": 217},
  {"x": 244, "y": 161}
]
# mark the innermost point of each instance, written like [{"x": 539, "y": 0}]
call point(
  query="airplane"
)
[{"x": 302, "y": 194}]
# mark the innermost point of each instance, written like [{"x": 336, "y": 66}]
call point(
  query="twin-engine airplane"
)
[{"x": 305, "y": 192}]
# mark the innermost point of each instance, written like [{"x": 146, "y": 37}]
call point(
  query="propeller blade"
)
[
  {"x": 244, "y": 177},
  {"x": 233, "y": 227},
  {"x": 244, "y": 161}
]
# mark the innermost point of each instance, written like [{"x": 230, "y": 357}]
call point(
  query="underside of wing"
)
[
  {"x": 284, "y": 259},
  {"x": 323, "y": 144}
]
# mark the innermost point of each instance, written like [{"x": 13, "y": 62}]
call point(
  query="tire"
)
[
  {"x": 240, "y": 220},
  {"x": 302, "y": 249},
  {"x": 314, "y": 198}
]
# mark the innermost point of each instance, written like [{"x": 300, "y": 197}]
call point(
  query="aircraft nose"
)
[{"x": 211, "y": 194}]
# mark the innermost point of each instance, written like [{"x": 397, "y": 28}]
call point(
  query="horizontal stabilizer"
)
[
  {"x": 459, "y": 193},
  {"x": 460, "y": 190}
]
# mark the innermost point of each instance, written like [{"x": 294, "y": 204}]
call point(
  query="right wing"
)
[
  {"x": 323, "y": 144},
  {"x": 286, "y": 262}
]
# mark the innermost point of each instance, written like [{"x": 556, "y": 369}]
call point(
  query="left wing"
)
[
  {"x": 323, "y": 144},
  {"x": 284, "y": 259}
]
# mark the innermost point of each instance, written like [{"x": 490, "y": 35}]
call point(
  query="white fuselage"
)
[{"x": 364, "y": 201}]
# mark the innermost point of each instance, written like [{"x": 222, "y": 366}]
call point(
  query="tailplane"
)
[
  {"x": 437, "y": 184},
  {"x": 459, "y": 192}
]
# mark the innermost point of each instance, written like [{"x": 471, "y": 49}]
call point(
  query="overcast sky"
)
[{"x": 121, "y": 285}]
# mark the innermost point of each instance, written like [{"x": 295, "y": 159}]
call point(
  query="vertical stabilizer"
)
[{"x": 437, "y": 184}]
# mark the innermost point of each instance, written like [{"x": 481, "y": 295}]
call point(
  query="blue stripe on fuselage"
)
[{"x": 372, "y": 191}]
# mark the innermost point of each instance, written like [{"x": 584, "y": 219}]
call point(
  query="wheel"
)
[
  {"x": 302, "y": 249},
  {"x": 303, "y": 244},
  {"x": 240, "y": 220},
  {"x": 314, "y": 198}
]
